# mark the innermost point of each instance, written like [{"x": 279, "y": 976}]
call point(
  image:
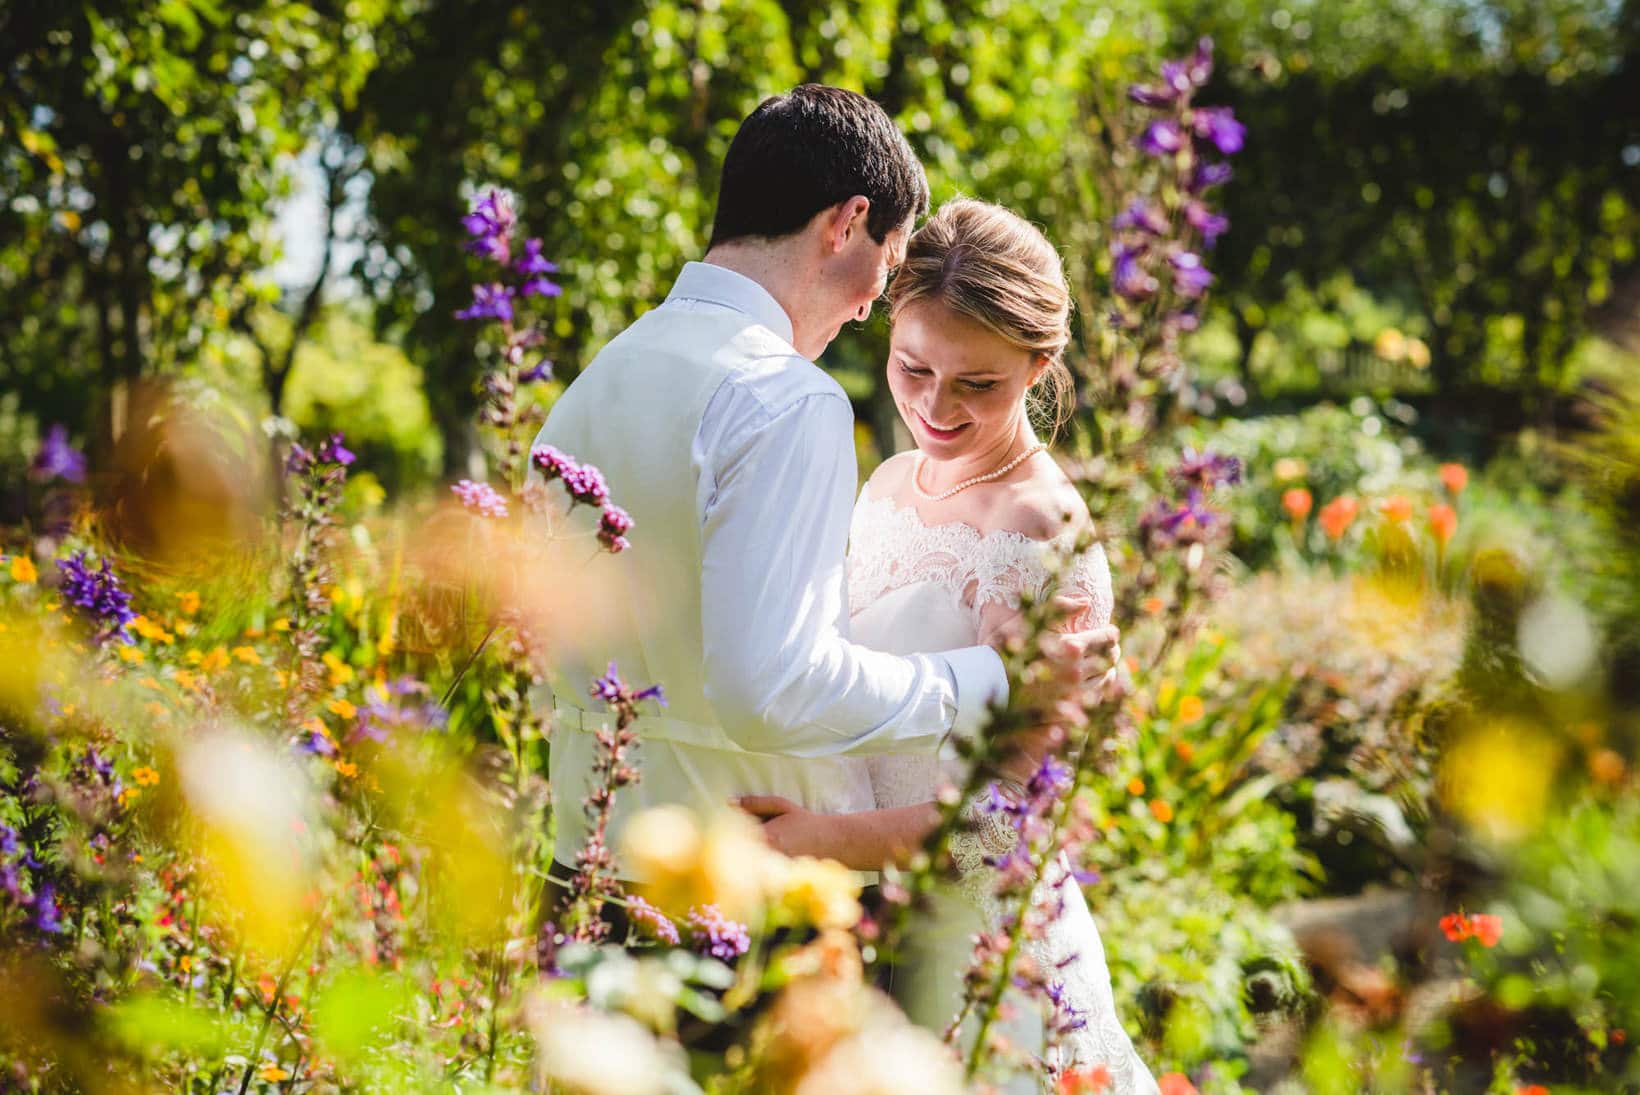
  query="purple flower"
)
[
  {"x": 8, "y": 840},
  {"x": 536, "y": 268},
  {"x": 58, "y": 459},
  {"x": 480, "y": 498},
  {"x": 541, "y": 370},
  {"x": 1162, "y": 138},
  {"x": 1145, "y": 95},
  {"x": 1190, "y": 277},
  {"x": 1129, "y": 277},
  {"x": 1144, "y": 216},
  {"x": 1205, "y": 221},
  {"x": 493, "y": 301},
  {"x": 1209, "y": 175},
  {"x": 1182, "y": 523},
  {"x": 585, "y": 483},
  {"x": 47, "y": 917},
  {"x": 1051, "y": 779},
  {"x": 649, "y": 922},
  {"x": 319, "y": 745},
  {"x": 614, "y": 691},
  {"x": 552, "y": 462},
  {"x": 613, "y": 527},
  {"x": 99, "y": 594},
  {"x": 714, "y": 934},
  {"x": 378, "y": 718},
  {"x": 332, "y": 451},
  {"x": 1206, "y": 469},
  {"x": 1218, "y": 124},
  {"x": 1199, "y": 65},
  {"x": 490, "y": 224}
]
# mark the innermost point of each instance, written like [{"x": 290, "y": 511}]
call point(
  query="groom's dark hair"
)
[{"x": 807, "y": 150}]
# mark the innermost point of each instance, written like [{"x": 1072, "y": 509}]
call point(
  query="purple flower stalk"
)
[
  {"x": 332, "y": 451},
  {"x": 1218, "y": 124},
  {"x": 541, "y": 370},
  {"x": 379, "y": 719},
  {"x": 534, "y": 266},
  {"x": 712, "y": 933},
  {"x": 1206, "y": 469},
  {"x": 1129, "y": 277},
  {"x": 57, "y": 459},
  {"x": 480, "y": 498},
  {"x": 99, "y": 595},
  {"x": 1209, "y": 175},
  {"x": 649, "y": 922},
  {"x": 492, "y": 301},
  {"x": 1162, "y": 138},
  {"x": 491, "y": 224},
  {"x": 1190, "y": 277},
  {"x": 617, "y": 693},
  {"x": 1143, "y": 216},
  {"x": 1205, "y": 221}
]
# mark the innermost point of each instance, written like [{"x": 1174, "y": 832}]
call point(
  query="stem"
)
[
  {"x": 466, "y": 665},
  {"x": 273, "y": 1005}
]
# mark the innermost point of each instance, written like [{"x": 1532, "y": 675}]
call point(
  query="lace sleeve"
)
[{"x": 1024, "y": 566}]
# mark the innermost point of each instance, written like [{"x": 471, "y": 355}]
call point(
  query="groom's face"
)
[{"x": 860, "y": 274}]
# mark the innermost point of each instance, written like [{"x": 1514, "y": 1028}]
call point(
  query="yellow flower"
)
[
  {"x": 1136, "y": 786},
  {"x": 194, "y": 657},
  {"x": 149, "y": 682},
  {"x": 188, "y": 602},
  {"x": 347, "y": 769},
  {"x": 216, "y": 659},
  {"x": 248, "y": 655},
  {"x": 340, "y": 671},
  {"x": 145, "y": 776},
  {"x": 281, "y": 678},
  {"x": 1165, "y": 695},
  {"x": 281, "y": 624},
  {"x": 185, "y": 963},
  {"x": 1190, "y": 709},
  {"x": 129, "y": 795},
  {"x": 821, "y": 892},
  {"x": 187, "y": 680},
  {"x": 342, "y": 707},
  {"x": 681, "y": 865},
  {"x": 273, "y": 1073},
  {"x": 1161, "y": 811},
  {"x": 22, "y": 570},
  {"x": 151, "y": 631},
  {"x": 155, "y": 708},
  {"x": 131, "y": 654}
]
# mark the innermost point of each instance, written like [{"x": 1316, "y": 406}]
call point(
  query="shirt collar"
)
[{"x": 720, "y": 285}]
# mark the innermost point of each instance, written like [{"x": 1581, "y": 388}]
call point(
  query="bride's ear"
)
[{"x": 1039, "y": 368}]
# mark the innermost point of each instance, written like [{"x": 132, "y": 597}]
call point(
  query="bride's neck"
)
[{"x": 941, "y": 475}]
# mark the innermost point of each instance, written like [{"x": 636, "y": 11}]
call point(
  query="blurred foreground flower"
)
[
  {"x": 99, "y": 596},
  {"x": 585, "y": 1051},
  {"x": 1497, "y": 777}
]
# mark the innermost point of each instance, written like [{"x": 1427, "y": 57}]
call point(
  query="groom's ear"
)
[{"x": 843, "y": 220}]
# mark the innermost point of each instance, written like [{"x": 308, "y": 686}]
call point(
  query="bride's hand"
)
[{"x": 789, "y": 828}]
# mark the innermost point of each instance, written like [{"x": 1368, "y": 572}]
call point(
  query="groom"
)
[{"x": 734, "y": 454}]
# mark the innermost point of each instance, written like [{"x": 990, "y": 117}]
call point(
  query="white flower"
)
[{"x": 591, "y": 1052}]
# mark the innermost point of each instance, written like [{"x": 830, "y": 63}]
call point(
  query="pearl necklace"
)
[{"x": 916, "y": 475}]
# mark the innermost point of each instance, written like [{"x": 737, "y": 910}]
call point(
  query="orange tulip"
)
[
  {"x": 1297, "y": 503},
  {"x": 1338, "y": 515},
  {"x": 1395, "y": 508},
  {"x": 1443, "y": 522},
  {"x": 1455, "y": 477}
]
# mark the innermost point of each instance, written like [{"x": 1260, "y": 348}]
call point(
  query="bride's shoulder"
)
[
  {"x": 1044, "y": 505},
  {"x": 888, "y": 477}
]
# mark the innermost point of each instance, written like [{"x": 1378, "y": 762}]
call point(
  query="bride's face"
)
[{"x": 960, "y": 387}]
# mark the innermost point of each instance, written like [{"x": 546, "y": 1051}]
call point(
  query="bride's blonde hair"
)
[{"x": 995, "y": 267}]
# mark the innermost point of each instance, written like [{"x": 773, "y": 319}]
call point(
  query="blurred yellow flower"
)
[
  {"x": 188, "y": 602},
  {"x": 145, "y": 776},
  {"x": 1161, "y": 811},
  {"x": 129, "y": 795},
  {"x": 680, "y": 864},
  {"x": 247, "y": 654},
  {"x": 216, "y": 659},
  {"x": 132, "y": 654},
  {"x": 341, "y": 707},
  {"x": 340, "y": 671},
  {"x": 1289, "y": 468},
  {"x": 281, "y": 624},
  {"x": 187, "y": 680},
  {"x": 821, "y": 892},
  {"x": 23, "y": 570},
  {"x": 1191, "y": 708},
  {"x": 1497, "y": 776},
  {"x": 273, "y": 1073},
  {"x": 151, "y": 631},
  {"x": 1136, "y": 786},
  {"x": 346, "y": 769}
]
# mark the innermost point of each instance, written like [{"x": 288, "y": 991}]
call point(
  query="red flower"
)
[
  {"x": 1443, "y": 522},
  {"x": 1338, "y": 515},
  {"x": 1083, "y": 1081},
  {"x": 1487, "y": 929},
  {"x": 1455, "y": 477},
  {"x": 1455, "y": 926},
  {"x": 1532, "y": 1089},
  {"x": 1176, "y": 1083}
]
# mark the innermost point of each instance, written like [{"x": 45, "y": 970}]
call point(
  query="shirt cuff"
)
[{"x": 980, "y": 681}]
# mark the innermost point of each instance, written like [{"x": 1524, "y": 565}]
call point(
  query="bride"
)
[{"x": 945, "y": 539}]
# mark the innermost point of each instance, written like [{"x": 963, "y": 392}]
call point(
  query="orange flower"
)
[
  {"x": 1154, "y": 605},
  {"x": 1083, "y": 1081},
  {"x": 1191, "y": 708},
  {"x": 145, "y": 776},
  {"x": 1337, "y": 516},
  {"x": 1532, "y": 1089},
  {"x": 1297, "y": 503},
  {"x": 23, "y": 571},
  {"x": 1455, "y": 926},
  {"x": 1395, "y": 508},
  {"x": 1488, "y": 929},
  {"x": 1176, "y": 1083},
  {"x": 273, "y": 1073},
  {"x": 1455, "y": 477},
  {"x": 188, "y": 602},
  {"x": 1185, "y": 750},
  {"x": 1136, "y": 786},
  {"x": 1443, "y": 522},
  {"x": 1161, "y": 811}
]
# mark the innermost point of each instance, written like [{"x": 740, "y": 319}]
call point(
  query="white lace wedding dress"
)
[{"x": 915, "y": 588}]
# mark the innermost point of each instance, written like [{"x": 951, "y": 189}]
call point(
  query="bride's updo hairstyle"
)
[{"x": 996, "y": 268}]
